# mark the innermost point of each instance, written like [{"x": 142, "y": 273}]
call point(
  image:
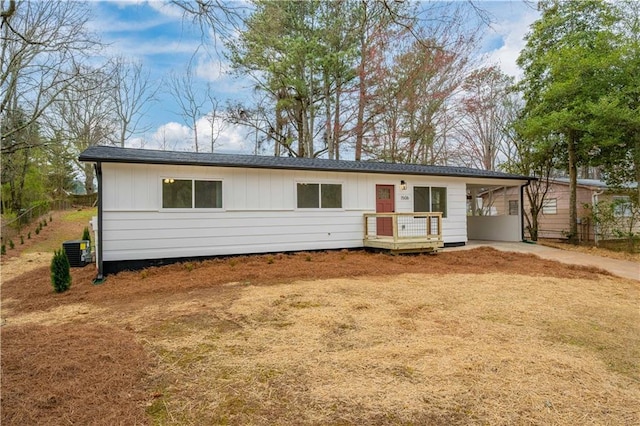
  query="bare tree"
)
[
  {"x": 485, "y": 111},
  {"x": 196, "y": 103},
  {"x": 217, "y": 19},
  {"x": 132, "y": 96},
  {"x": 215, "y": 118},
  {"x": 190, "y": 101},
  {"x": 85, "y": 114},
  {"x": 41, "y": 44}
]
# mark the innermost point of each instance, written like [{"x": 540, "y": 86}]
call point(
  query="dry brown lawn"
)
[{"x": 465, "y": 337}]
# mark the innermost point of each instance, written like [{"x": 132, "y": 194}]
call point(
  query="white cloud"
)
[
  {"x": 167, "y": 9},
  {"x": 228, "y": 137},
  {"x": 211, "y": 69},
  {"x": 512, "y": 33},
  {"x": 172, "y": 136}
]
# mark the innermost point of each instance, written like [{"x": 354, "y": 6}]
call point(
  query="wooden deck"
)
[{"x": 409, "y": 232}]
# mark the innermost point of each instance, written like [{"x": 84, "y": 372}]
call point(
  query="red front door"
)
[{"x": 385, "y": 203}]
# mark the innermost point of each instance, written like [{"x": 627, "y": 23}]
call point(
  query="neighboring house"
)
[
  {"x": 160, "y": 206},
  {"x": 553, "y": 221}
]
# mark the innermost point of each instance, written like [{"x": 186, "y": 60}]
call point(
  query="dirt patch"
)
[{"x": 72, "y": 374}]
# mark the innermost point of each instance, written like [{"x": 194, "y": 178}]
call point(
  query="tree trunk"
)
[
  {"x": 573, "y": 180},
  {"x": 361, "y": 86},
  {"x": 336, "y": 120},
  {"x": 88, "y": 183},
  {"x": 327, "y": 129}
]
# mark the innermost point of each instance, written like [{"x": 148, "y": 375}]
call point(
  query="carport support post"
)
[
  {"x": 522, "y": 187},
  {"x": 474, "y": 201}
]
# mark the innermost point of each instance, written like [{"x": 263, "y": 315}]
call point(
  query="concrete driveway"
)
[{"x": 622, "y": 268}]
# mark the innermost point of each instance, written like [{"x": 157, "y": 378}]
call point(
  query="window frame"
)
[
  {"x": 320, "y": 184},
  {"x": 517, "y": 207},
  {"x": 193, "y": 195},
  {"x": 622, "y": 206},
  {"x": 430, "y": 200}
]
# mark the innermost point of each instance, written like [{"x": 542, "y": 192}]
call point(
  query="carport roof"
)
[{"x": 110, "y": 154}]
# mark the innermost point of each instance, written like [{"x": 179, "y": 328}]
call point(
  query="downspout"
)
[
  {"x": 594, "y": 207},
  {"x": 100, "y": 278},
  {"x": 522, "y": 187}
]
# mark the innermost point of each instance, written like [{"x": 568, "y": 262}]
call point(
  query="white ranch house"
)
[{"x": 160, "y": 206}]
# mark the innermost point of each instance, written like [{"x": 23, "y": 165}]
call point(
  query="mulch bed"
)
[
  {"x": 33, "y": 292},
  {"x": 72, "y": 374}
]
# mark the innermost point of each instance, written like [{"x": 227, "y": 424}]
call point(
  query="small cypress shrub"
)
[
  {"x": 3, "y": 249},
  {"x": 50, "y": 218},
  {"x": 37, "y": 230},
  {"x": 21, "y": 239},
  {"x": 85, "y": 234},
  {"x": 29, "y": 235},
  {"x": 44, "y": 222},
  {"x": 11, "y": 245},
  {"x": 60, "y": 271}
]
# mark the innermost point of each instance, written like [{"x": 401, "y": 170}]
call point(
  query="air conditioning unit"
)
[{"x": 78, "y": 252}]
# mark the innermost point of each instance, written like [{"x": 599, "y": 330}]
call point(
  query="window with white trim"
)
[
  {"x": 319, "y": 195},
  {"x": 513, "y": 207},
  {"x": 550, "y": 206},
  {"x": 430, "y": 199},
  {"x": 191, "y": 193}
]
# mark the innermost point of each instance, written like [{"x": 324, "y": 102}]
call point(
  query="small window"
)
[
  {"x": 430, "y": 199},
  {"x": 421, "y": 199},
  {"x": 513, "y": 207},
  {"x": 315, "y": 195},
  {"x": 331, "y": 196},
  {"x": 208, "y": 194},
  {"x": 185, "y": 194},
  {"x": 550, "y": 206},
  {"x": 621, "y": 206},
  {"x": 439, "y": 200},
  {"x": 176, "y": 194}
]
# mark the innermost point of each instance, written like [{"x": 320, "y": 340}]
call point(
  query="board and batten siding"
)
[{"x": 258, "y": 212}]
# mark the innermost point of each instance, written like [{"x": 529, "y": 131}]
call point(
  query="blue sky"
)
[{"x": 155, "y": 34}]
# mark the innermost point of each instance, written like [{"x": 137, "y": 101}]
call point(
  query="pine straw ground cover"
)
[{"x": 465, "y": 337}]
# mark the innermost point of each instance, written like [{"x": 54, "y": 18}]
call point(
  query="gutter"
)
[
  {"x": 522, "y": 187},
  {"x": 100, "y": 278},
  {"x": 594, "y": 207}
]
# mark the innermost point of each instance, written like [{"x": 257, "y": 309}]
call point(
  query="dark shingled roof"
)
[{"x": 110, "y": 154}]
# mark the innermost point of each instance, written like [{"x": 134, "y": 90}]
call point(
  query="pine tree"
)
[{"x": 60, "y": 271}]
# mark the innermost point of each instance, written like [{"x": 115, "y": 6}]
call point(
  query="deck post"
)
[{"x": 395, "y": 228}]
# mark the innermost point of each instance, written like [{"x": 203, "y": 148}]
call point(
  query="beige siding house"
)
[{"x": 553, "y": 221}]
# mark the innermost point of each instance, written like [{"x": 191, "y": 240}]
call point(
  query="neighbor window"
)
[
  {"x": 319, "y": 195},
  {"x": 430, "y": 199},
  {"x": 190, "y": 193},
  {"x": 621, "y": 206},
  {"x": 550, "y": 206},
  {"x": 513, "y": 207}
]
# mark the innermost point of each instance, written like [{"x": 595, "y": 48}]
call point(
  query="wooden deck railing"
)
[{"x": 398, "y": 231}]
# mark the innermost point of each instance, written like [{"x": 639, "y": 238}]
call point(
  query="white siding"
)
[{"x": 259, "y": 212}]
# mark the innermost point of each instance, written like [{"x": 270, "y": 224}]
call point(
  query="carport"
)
[{"x": 495, "y": 218}]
